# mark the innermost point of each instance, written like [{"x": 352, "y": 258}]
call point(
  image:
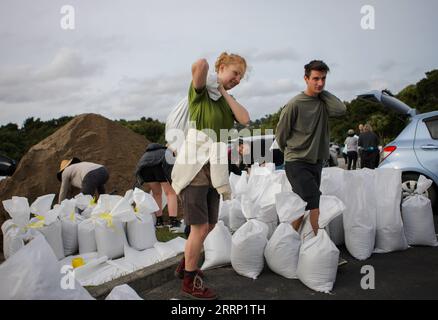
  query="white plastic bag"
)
[
  {"x": 318, "y": 259},
  {"x": 418, "y": 216},
  {"x": 247, "y": 250},
  {"x": 217, "y": 247},
  {"x": 86, "y": 236},
  {"x": 109, "y": 230},
  {"x": 34, "y": 273},
  {"x": 360, "y": 214},
  {"x": 332, "y": 184},
  {"x": 237, "y": 219},
  {"x": 14, "y": 230},
  {"x": 390, "y": 235},
  {"x": 123, "y": 292},
  {"x": 69, "y": 223},
  {"x": 318, "y": 263},
  {"x": 141, "y": 232},
  {"x": 282, "y": 249}
]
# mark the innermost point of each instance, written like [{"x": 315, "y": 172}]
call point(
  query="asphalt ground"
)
[{"x": 409, "y": 274}]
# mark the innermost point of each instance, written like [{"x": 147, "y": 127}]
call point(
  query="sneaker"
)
[
  {"x": 179, "y": 271},
  {"x": 342, "y": 261},
  {"x": 160, "y": 222},
  {"x": 194, "y": 288},
  {"x": 174, "y": 223}
]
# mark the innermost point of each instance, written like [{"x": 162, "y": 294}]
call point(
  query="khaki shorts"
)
[{"x": 200, "y": 200}]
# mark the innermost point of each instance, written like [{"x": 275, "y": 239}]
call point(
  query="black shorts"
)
[
  {"x": 153, "y": 174},
  {"x": 200, "y": 204},
  {"x": 305, "y": 179}
]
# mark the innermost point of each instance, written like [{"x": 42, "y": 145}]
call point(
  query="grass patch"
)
[{"x": 164, "y": 234}]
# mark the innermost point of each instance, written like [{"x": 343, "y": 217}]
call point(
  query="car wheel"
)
[{"x": 409, "y": 184}]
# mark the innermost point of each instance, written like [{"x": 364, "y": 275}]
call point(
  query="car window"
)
[{"x": 432, "y": 126}]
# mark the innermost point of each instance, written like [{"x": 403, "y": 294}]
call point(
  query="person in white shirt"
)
[
  {"x": 89, "y": 177},
  {"x": 351, "y": 143}
]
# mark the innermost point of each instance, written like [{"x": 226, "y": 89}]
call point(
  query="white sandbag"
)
[
  {"x": 237, "y": 219},
  {"x": 14, "y": 230},
  {"x": 142, "y": 259},
  {"x": 110, "y": 239},
  {"x": 282, "y": 249},
  {"x": 52, "y": 233},
  {"x": 109, "y": 231},
  {"x": 144, "y": 202},
  {"x": 86, "y": 236},
  {"x": 165, "y": 250},
  {"x": 238, "y": 184},
  {"x": 417, "y": 216},
  {"x": 318, "y": 258},
  {"x": 318, "y": 263},
  {"x": 123, "y": 292},
  {"x": 33, "y": 273},
  {"x": 42, "y": 204},
  {"x": 269, "y": 216},
  {"x": 47, "y": 222},
  {"x": 332, "y": 183},
  {"x": 247, "y": 250},
  {"x": 360, "y": 214},
  {"x": 85, "y": 205},
  {"x": 390, "y": 235},
  {"x": 217, "y": 247},
  {"x": 224, "y": 212},
  {"x": 279, "y": 176},
  {"x": 69, "y": 223},
  {"x": 141, "y": 232}
]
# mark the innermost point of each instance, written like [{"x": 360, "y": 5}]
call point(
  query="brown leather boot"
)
[
  {"x": 194, "y": 288},
  {"x": 179, "y": 271}
]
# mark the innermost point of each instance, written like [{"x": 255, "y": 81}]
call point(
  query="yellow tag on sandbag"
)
[
  {"x": 72, "y": 216},
  {"x": 77, "y": 262},
  {"x": 136, "y": 210},
  {"x": 108, "y": 218},
  {"x": 38, "y": 224},
  {"x": 93, "y": 201}
]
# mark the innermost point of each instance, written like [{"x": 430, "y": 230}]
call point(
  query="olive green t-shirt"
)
[
  {"x": 302, "y": 130},
  {"x": 209, "y": 114}
]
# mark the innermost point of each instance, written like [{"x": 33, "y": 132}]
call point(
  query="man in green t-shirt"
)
[
  {"x": 303, "y": 135},
  {"x": 200, "y": 199}
]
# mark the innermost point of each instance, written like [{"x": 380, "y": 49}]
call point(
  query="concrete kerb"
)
[{"x": 141, "y": 280}]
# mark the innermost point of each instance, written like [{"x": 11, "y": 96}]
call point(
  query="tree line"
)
[{"x": 15, "y": 141}]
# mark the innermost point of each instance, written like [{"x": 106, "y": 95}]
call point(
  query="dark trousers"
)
[
  {"x": 95, "y": 181},
  {"x": 352, "y": 160},
  {"x": 305, "y": 179},
  {"x": 369, "y": 159}
]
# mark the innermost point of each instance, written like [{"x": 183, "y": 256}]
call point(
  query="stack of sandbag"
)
[
  {"x": 418, "y": 215},
  {"x": 248, "y": 245},
  {"x": 282, "y": 250},
  {"x": 141, "y": 230},
  {"x": 390, "y": 235},
  {"x": 217, "y": 247},
  {"x": 15, "y": 230},
  {"x": 332, "y": 183},
  {"x": 110, "y": 214},
  {"x": 360, "y": 213},
  {"x": 70, "y": 220},
  {"x": 318, "y": 258},
  {"x": 47, "y": 222}
]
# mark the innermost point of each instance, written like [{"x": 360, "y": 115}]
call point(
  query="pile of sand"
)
[{"x": 90, "y": 137}]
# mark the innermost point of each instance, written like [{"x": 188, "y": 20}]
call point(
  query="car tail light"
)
[{"x": 387, "y": 151}]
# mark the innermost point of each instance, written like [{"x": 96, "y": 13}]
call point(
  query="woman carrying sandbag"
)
[{"x": 200, "y": 172}]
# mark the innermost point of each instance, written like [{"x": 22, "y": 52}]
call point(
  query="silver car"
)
[{"x": 415, "y": 150}]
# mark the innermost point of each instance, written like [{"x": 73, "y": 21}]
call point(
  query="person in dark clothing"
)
[
  {"x": 369, "y": 144},
  {"x": 236, "y": 163},
  {"x": 153, "y": 169}
]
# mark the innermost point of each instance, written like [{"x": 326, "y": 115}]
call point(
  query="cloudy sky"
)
[{"x": 128, "y": 59}]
